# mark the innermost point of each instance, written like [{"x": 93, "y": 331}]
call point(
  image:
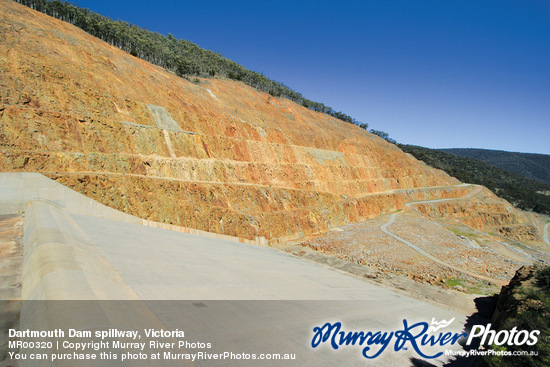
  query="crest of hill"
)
[
  {"x": 180, "y": 56},
  {"x": 216, "y": 155}
]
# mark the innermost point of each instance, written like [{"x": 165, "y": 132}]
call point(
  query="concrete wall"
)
[{"x": 57, "y": 254}]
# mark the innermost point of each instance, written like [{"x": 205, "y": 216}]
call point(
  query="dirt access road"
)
[{"x": 384, "y": 228}]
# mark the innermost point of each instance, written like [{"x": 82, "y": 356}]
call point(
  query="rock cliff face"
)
[
  {"x": 485, "y": 212},
  {"x": 215, "y": 155},
  {"x": 512, "y": 299},
  {"x": 524, "y": 304}
]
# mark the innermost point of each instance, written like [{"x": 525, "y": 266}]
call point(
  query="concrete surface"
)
[{"x": 78, "y": 249}]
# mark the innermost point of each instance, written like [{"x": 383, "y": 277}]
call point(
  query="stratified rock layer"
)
[{"x": 217, "y": 156}]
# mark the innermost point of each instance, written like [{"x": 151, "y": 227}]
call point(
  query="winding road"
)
[{"x": 384, "y": 229}]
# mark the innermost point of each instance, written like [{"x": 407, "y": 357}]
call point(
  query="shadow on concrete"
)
[
  {"x": 9, "y": 319},
  {"x": 485, "y": 308},
  {"x": 417, "y": 362}
]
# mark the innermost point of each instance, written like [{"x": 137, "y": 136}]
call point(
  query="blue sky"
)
[{"x": 441, "y": 74}]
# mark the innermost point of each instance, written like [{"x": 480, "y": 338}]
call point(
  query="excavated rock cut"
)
[{"x": 216, "y": 156}]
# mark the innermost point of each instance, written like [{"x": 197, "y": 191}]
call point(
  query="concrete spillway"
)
[{"x": 77, "y": 249}]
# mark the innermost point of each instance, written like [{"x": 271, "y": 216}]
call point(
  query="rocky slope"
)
[
  {"x": 524, "y": 304},
  {"x": 214, "y": 155}
]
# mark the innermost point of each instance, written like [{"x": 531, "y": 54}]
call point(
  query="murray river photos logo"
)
[{"x": 417, "y": 337}]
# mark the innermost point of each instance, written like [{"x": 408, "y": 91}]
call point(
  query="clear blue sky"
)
[{"x": 441, "y": 74}]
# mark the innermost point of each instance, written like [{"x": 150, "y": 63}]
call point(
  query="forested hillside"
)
[
  {"x": 535, "y": 166},
  {"x": 525, "y": 193}
]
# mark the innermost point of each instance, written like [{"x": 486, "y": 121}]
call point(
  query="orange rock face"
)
[{"x": 217, "y": 156}]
